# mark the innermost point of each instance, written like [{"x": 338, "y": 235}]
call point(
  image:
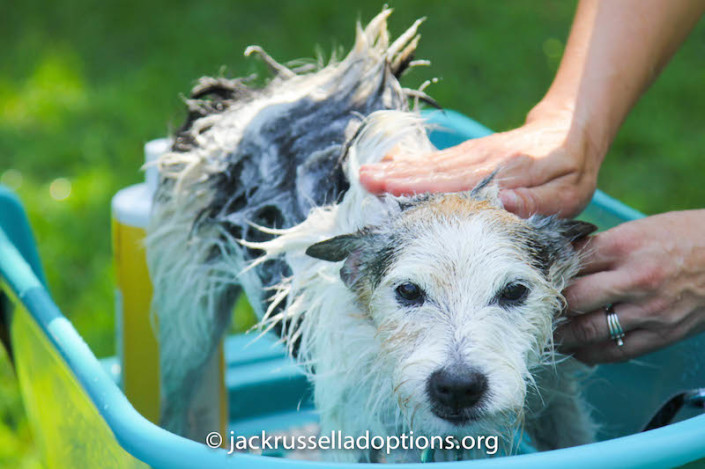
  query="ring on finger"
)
[{"x": 613, "y": 325}]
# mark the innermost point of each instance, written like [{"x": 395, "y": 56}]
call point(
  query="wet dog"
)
[{"x": 428, "y": 313}]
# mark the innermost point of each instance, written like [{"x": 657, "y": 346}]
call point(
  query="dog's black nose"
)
[{"x": 456, "y": 389}]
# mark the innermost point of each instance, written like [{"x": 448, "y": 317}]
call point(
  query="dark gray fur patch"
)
[
  {"x": 378, "y": 265},
  {"x": 367, "y": 265},
  {"x": 287, "y": 165},
  {"x": 289, "y": 158},
  {"x": 539, "y": 252},
  {"x": 551, "y": 239},
  {"x": 210, "y": 96},
  {"x": 367, "y": 256}
]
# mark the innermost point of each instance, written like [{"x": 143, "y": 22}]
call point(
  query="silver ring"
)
[{"x": 615, "y": 328}]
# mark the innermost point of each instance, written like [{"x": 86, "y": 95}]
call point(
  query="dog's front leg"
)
[{"x": 564, "y": 420}]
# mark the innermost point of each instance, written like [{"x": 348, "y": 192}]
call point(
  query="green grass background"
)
[{"x": 83, "y": 84}]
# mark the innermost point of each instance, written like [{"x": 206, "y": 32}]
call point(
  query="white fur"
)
[
  {"x": 370, "y": 373},
  {"x": 369, "y": 358}
]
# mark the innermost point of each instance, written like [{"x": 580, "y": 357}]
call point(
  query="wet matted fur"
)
[{"x": 261, "y": 193}]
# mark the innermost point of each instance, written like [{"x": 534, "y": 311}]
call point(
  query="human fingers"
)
[
  {"x": 423, "y": 174},
  {"x": 595, "y": 256},
  {"x": 596, "y": 290},
  {"x": 401, "y": 167},
  {"x": 406, "y": 169},
  {"x": 439, "y": 182},
  {"x": 424, "y": 180},
  {"x": 592, "y": 328},
  {"x": 420, "y": 176},
  {"x": 605, "y": 250},
  {"x": 638, "y": 342},
  {"x": 525, "y": 202},
  {"x": 646, "y": 331},
  {"x": 377, "y": 178},
  {"x": 553, "y": 197},
  {"x": 373, "y": 181}
]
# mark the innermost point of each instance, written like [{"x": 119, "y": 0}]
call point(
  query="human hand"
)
[
  {"x": 547, "y": 166},
  {"x": 653, "y": 273}
]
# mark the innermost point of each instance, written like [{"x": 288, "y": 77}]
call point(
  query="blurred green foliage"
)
[{"x": 83, "y": 84}]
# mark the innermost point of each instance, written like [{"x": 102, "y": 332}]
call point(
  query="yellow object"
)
[
  {"x": 136, "y": 339},
  {"x": 68, "y": 428},
  {"x": 139, "y": 352}
]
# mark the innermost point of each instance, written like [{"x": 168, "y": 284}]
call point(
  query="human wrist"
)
[
  {"x": 554, "y": 109},
  {"x": 586, "y": 136}
]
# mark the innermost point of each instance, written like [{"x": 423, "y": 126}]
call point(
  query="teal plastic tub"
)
[{"x": 80, "y": 418}]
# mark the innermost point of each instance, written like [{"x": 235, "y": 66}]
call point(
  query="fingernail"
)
[
  {"x": 371, "y": 168},
  {"x": 508, "y": 198},
  {"x": 372, "y": 175}
]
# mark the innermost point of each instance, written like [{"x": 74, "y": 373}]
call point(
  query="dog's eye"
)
[
  {"x": 409, "y": 294},
  {"x": 513, "y": 294}
]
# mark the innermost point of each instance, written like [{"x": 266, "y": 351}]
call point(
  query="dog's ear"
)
[
  {"x": 365, "y": 254},
  {"x": 487, "y": 190},
  {"x": 575, "y": 230},
  {"x": 554, "y": 229},
  {"x": 336, "y": 249},
  {"x": 553, "y": 244},
  {"x": 347, "y": 247}
]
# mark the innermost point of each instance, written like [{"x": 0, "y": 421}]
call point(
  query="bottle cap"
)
[{"x": 152, "y": 151}]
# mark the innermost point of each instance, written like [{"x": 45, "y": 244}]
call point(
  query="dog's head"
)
[{"x": 463, "y": 296}]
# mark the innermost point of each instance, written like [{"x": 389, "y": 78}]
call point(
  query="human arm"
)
[{"x": 615, "y": 51}]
